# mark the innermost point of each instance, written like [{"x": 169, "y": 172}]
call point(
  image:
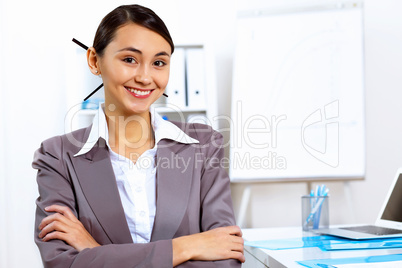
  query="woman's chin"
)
[{"x": 138, "y": 109}]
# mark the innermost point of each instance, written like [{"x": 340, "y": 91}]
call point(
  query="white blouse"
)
[{"x": 136, "y": 182}]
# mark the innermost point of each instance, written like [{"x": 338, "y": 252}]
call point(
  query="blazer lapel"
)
[
  {"x": 175, "y": 163},
  {"x": 95, "y": 174}
]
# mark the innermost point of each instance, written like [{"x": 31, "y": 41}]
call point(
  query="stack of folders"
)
[{"x": 186, "y": 87}]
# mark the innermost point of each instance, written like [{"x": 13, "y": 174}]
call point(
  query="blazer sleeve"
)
[
  {"x": 55, "y": 188},
  {"x": 216, "y": 200}
]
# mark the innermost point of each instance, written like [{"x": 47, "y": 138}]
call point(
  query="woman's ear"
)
[{"x": 93, "y": 61}]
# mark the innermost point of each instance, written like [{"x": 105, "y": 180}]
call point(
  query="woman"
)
[{"x": 133, "y": 190}]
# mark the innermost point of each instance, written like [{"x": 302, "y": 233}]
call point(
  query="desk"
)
[{"x": 257, "y": 257}]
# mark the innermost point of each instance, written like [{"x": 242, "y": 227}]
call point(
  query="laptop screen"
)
[{"x": 393, "y": 209}]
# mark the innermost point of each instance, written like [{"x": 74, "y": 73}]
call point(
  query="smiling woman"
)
[
  {"x": 134, "y": 68},
  {"x": 134, "y": 190}
]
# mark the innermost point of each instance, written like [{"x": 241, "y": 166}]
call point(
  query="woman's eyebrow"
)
[
  {"x": 163, "y": 53},
  {"x": 132, "y": 49}
]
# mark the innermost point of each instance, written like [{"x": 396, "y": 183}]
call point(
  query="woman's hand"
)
[
  {"x": 216, "y": 244},
  {"x": 65, "y": 226}
]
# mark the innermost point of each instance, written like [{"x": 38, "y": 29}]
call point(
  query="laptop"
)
[{"x": 388, "y": 223}]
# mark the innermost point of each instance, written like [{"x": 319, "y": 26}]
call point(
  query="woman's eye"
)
[
  {"x": 129, "y": 60},
  {"x": 159, "y": 63}
]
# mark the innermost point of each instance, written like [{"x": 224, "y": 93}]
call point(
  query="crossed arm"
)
[
  {"x": 64, "y": 241},
  {"x": 216, "y": 244}
]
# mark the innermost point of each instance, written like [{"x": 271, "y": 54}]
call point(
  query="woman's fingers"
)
[
  {"x": 52, "y": 223},
  {"x": 217, "y": 244},
  {"x": 237, "y": 256},
  {"x": 57, "y": 221},
  {"x": 234, "y": 243},
  {"x": 238, "y": 243},
  {"x": 66, "y": 211},
  {"x": 51, "y": 218},
  {"x": 233, "y": 230},
  {"x": 55, "y": 235},
  {"x": 65, "y": 226}
]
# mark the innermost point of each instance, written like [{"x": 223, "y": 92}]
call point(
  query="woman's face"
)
[{"x": 135, "y": 69}]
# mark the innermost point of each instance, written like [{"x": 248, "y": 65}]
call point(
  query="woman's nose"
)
[{"x": 143, "y": 76}]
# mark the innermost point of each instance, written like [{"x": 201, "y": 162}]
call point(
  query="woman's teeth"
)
[{"x": 139, "y": 92}]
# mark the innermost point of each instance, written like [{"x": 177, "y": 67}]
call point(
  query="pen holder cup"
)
[{"x": 315, "y": 212}]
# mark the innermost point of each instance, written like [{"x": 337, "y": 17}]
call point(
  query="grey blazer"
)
[{"x": 193, "y": 195}]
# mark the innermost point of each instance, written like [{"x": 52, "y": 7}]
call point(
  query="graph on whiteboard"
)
[{"x": 298, "y": 96}]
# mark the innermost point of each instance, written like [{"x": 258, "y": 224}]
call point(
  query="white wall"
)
[
  {"x": 3, "y": 221},
  {"x": 31, "y": 101},
  {"x": 36, "y": 35}
]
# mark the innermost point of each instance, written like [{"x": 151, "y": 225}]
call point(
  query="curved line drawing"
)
[{"x": 330, "y": 154}]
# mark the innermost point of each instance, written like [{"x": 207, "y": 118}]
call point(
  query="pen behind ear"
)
[
  {"x": 80, "y": 44},
  {"x": 86, "y": 48}
]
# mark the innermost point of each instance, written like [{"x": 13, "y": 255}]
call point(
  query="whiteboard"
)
[{"x": 298, "y": 96}]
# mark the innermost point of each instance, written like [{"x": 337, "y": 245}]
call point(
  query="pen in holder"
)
[{"x": 315, "y": 211}]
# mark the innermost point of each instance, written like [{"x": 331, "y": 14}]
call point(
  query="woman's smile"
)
[{"x": 139, "y": 93}]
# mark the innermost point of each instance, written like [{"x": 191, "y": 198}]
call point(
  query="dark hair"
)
[{"x": 125, "y": 14}]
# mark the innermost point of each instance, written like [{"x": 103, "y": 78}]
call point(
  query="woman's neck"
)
[{"x": 129, "y": 135}]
